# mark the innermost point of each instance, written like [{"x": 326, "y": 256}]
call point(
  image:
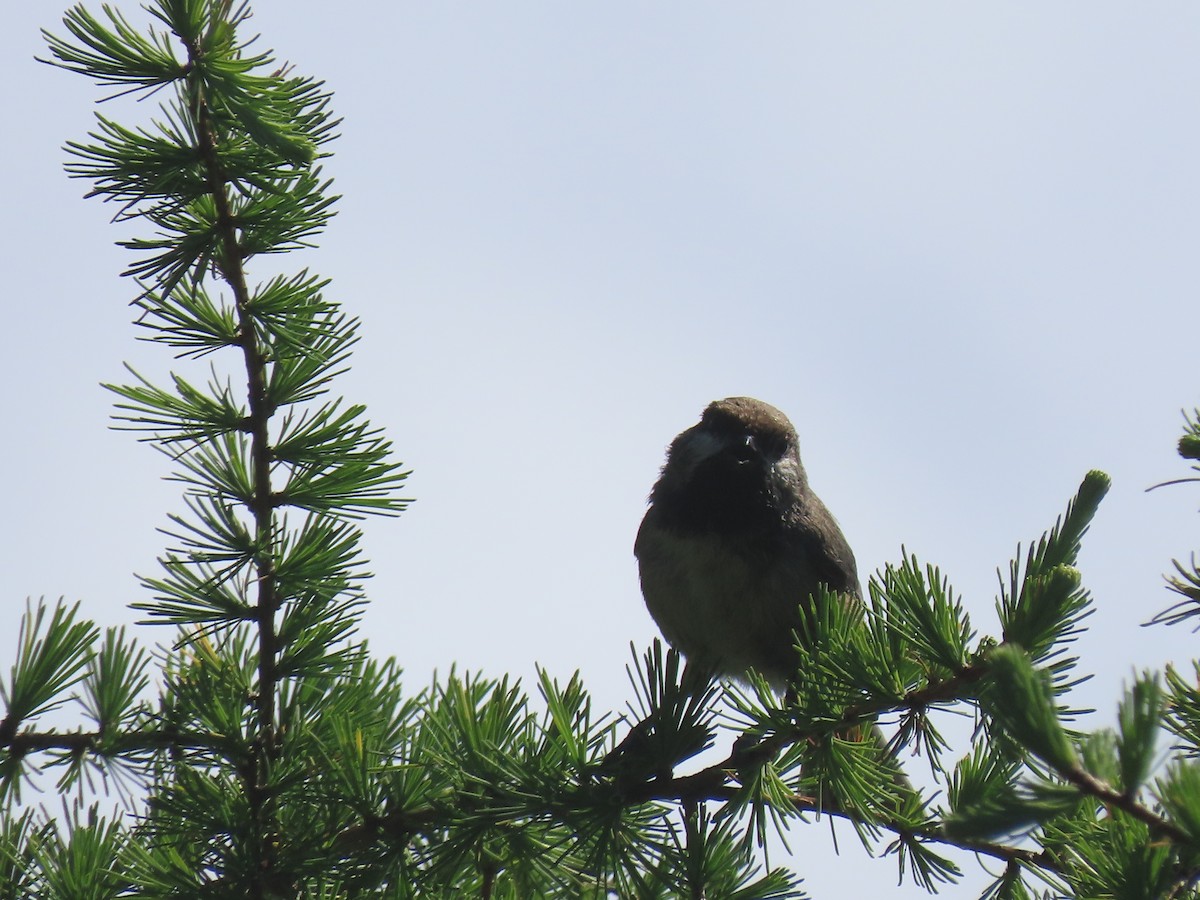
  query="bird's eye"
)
[
  {"x": 773, "y": 446},
  {"x": 746, "y": 447}
]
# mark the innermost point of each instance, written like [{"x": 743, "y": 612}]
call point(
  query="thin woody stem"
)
[{"x": 262, "y": 504}]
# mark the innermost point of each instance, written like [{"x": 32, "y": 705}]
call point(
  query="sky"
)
[{"x": 955, "y": 243}]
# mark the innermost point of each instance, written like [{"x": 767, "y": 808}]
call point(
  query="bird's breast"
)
[{"x": 727, "y": 604}]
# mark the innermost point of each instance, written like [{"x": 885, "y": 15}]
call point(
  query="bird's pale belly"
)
[{"x": 727, "y": 608}]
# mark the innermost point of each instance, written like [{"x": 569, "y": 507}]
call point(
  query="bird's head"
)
[{"x": 738, "y": 466}]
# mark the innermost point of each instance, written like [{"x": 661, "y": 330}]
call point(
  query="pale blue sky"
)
[{"x": 956, "y": 243}]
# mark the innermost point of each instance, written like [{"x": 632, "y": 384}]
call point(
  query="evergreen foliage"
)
[{"x": 266, "y": 753}]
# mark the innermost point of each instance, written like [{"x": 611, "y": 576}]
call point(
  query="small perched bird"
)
[{"x": 735, "y": 543}]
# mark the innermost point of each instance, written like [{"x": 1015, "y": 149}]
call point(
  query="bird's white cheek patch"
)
[
  {"x": 703, "y": 445},
  {"x": 699, "y": 447},
  {"x": 786, "y": 468}
]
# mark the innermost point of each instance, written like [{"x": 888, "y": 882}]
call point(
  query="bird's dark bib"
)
[{"x": 721, "y": 499}]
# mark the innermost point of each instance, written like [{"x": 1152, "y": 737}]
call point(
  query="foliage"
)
[
  {"x": 267, "y": 754},
  {"x": 1186, "y": 580}
]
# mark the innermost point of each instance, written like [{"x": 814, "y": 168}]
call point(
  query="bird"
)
[{"x": 735, "y": 544}]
